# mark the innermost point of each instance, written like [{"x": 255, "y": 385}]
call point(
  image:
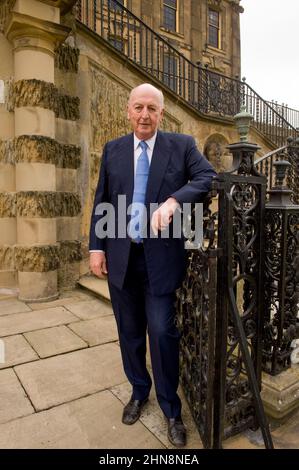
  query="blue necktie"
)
[{"x": 138, "y": 213}]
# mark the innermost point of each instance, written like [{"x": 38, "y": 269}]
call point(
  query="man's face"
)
[{"x": 145, "y": 113}]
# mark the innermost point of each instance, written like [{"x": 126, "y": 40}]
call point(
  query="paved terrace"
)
[{"x": 62, "y": 383}]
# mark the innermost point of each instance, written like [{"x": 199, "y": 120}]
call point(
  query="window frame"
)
[
  {"x": 219, "y": 29},
  {"x": 170, "y": 78},
  {"x": 116, "y": 9},
  {"x": 177, "y": 16}
]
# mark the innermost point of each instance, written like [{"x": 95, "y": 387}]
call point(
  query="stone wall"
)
[
  {"x": 54, "y": 124},
  {"x": 105, "y": 80},
  {"x": 39, "y": 204}
]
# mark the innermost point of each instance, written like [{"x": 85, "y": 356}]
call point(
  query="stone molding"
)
[
  {"x": 67, "y": 58},
  {"x": 64, "y": 5},
  {"x": 214, "y": 3},
  {"x": 44, "y": 204},
  {"x": 8, "y": 204},
  {"x": 48, "y": 204},
  {"x": 280, "y": 393},
  {"x": 7, "y": 151},
  {"x": 40, "y": 149},
  {"x": 7, "y": 262},
  {"x": 236, "y": 6},
  {"x": 36, "y": 258},
  {"x": 68, "y": 107},
  {"x": 5, "y": 9},
  {"x": 24, "y": 30},
  {"x": 46, "y": 95},
  {"x": 70, "y": 251},
  {"x": 39, "y": 258}
]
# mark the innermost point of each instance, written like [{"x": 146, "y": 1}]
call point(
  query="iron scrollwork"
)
[{"x": 196, "y": 322}]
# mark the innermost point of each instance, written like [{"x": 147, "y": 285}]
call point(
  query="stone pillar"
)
[
  {"x": 7, "y": 169},
  {"x": 34, "y": 30},
  {"x": 235, "y": 38}
]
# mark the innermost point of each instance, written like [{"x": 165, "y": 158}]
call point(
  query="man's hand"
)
[
  {"x": 97, "y": 263},
  {"x": 162, "y": 217}
]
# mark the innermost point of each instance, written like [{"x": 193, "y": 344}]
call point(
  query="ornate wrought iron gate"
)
[
  {"x": 197, "y": 322},
  {"x": 224, "y": 286}
]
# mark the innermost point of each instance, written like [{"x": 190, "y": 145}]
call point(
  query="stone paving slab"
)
[
  {"x": 83, "y": 294},
  {"x": 17, "y": 351},
  {"x": 13, "y": 305},
  {"x": 96, "y": 331},
  {"x": 53, "y": 341},
  {"x": 286, "y": 436},
  {"x": 61, "y": 302},
  {"x": 29, "y": 321},
  {"x": 90, "y": 422},
  {"x": 153, "y": 419},
  {"x": 89, "y": 309},
  {"x": 96, "y": 285},
  {"x": 56, "y": 380},
  {"x": 13, "y": 400},
  {"x": 245, "y": 440}
]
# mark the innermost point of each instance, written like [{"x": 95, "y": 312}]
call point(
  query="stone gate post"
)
[{"x": 34, "y": 29}]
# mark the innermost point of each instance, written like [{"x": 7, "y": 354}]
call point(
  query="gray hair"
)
[{"x": 151, "y": 87}]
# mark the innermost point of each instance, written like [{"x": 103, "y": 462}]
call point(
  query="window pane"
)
[
  {"x": 213, "y": 36},
  {"x": 214, "y": 18},
  {"x": 170, "y": 71},
  {"x": 169, "y": 18},
  {"x": 114, "y": 6},
  {"x": 170, "y": 3},
  {"x": 117, "y": 43}
]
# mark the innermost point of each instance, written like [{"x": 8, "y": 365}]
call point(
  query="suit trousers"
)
[{"x": 137, "y": 311}]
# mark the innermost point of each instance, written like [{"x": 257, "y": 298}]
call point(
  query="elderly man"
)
[{"x": 145, "y": 268}]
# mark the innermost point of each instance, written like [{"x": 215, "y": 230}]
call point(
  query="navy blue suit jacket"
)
[{"x": 177, "y": 169}]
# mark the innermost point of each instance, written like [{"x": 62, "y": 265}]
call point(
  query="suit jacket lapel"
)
[
  {"x": 160, "y": 159},
  {"x": 125, "y": 162}
]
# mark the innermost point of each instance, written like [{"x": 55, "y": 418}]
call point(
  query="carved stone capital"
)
[
  {"x": 64, "y": 5},
  {"x": 29, "y": 32},
  {"x": 236, "y": 6},
  {"x": 214, "y": 3}
]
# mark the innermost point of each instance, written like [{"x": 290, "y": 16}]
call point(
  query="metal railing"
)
[
  {"x": 290, "y": 114},
  {"x": 206, "y": 91},
  {"x": 266, "y": 165}
]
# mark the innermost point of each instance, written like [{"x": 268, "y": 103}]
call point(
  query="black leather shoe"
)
[
  {"x": 176, "y": 432},
  {"x": 132, "y": 410}
]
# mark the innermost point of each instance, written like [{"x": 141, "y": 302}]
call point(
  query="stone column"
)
[
  {"x": 235, "y": 38},
  {"x": 34, "y": 30},
  {"x": 7, "y": 169}
]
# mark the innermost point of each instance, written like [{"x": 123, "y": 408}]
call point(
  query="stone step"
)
[{"x": 95, "y": 285}]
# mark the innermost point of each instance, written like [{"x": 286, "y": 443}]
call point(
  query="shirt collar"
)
[{"x": 150, "y": 142}]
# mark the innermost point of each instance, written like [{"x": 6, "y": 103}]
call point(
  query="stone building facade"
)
[
  {"x": 64, "y": 94},
  {"x": 205, "y": 31}
]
